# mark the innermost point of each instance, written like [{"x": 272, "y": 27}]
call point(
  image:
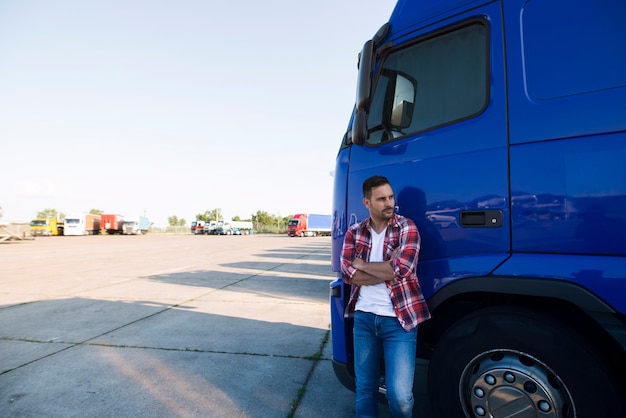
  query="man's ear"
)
[{"x": 366, "y": 202}]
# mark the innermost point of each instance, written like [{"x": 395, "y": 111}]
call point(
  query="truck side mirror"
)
[
  {"x": 364, "y": 83},
  {"x": 359, "y": 127},
  {"x": 363, "y": 90}
]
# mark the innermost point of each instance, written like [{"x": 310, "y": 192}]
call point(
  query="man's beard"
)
[{"x": 387, "y": 213}]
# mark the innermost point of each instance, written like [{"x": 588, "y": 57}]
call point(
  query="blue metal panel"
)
[
  {"x": 435, "y": 274},
  {"x": 569, "y": 196},
  {"x": 339, "y": 204},
  {"x": 339, "y": 342},
  {"x": 567, "y": 74},
  {"x": 410, "y": 14},
  {"x": 605, "y": 276}
]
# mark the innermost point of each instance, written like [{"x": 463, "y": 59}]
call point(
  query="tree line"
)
[{"x": 54, "y": 214}]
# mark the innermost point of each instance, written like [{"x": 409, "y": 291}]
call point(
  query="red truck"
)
[
  {"x": 309, "y": 225},
  {"x": 197, "y": 227},
  {"x": 112, "y": 224}
]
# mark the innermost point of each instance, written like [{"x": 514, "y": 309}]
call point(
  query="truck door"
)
[{"x": 436, "y": 128}]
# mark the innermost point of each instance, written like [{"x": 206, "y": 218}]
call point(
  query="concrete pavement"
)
[{"x": 168, "y": 326}]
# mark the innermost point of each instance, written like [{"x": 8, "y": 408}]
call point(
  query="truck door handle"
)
[{"x": 481, "y": 218}]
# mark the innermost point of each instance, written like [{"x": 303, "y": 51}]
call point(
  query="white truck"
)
[
  {"x": 229, "y": 228},
  {"x": 209, "y": 227},
  {"x": 136, "y": 226},
  {"x": 82, "y": 224}
]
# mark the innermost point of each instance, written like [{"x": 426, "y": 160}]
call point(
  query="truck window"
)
[{"x": 449, "y": 76}]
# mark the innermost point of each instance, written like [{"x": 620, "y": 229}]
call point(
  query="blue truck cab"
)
[{"x": 501, "y": 126}]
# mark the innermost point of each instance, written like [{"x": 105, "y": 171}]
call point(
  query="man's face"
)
[{"x": 381, "y": 204}]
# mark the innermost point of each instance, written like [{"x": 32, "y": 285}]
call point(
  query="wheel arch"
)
[{"x": 584, "y": 311}]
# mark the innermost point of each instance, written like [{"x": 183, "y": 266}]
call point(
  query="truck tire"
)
[{"x": 539, "y": 365}]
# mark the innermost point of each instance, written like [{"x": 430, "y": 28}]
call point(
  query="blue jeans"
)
[{"x": 373, "y": 336}]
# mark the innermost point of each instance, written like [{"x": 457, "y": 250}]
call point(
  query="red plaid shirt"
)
[{"x": 406, "y": 295}]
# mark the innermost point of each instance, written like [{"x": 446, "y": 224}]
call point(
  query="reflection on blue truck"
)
[{"x": 502, "y": 128}]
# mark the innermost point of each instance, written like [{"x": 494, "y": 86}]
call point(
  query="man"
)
[{"x": 379, "y": 259}]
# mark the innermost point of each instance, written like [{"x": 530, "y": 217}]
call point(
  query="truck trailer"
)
[
  {"x": 136, "y": 226},
  {"x": 501, "y": 126},
  {"x": 309, "y": 225},
  {"x": 82, "y": 224},
  {"x": 112, "y": 223}
]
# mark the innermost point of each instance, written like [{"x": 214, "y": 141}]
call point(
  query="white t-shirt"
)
[{"x": 375, "y": 298}]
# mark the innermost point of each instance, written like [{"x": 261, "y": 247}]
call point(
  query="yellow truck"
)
[{"x": 46, "y": 227}]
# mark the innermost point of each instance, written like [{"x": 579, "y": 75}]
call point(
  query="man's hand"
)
[
  {"x": 358, "y": 263},
  {"x": 372, "y": 272}
]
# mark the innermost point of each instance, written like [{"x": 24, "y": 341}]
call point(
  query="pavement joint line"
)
[
  {"x": 313, "y": 357},
  {"x": 316, "y": 358}
]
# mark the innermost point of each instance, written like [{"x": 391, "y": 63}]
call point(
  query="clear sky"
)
[{"x": 176, "y": 107}]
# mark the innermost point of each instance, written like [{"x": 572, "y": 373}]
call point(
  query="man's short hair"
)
[{"x": 372, "y": 182}]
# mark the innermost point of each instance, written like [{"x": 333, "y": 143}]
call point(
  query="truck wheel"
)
[{"x": 513, "y": 362}]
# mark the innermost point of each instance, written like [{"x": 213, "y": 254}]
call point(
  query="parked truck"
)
[
  {"x": 82, "y": 224},
  {"x": 112, "y": 223},
  {"x": 136, "y": 226},
  {"x": 230, "y": 228},
  {"x": 309, "y": 225},
  {"x": 197, "y": 227},
  {"x": 46, "y": 227},
  {"x": 209, "y": 227},
  {"x": 242, "y": 227},
  {"x": 501, "y": 126}
]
